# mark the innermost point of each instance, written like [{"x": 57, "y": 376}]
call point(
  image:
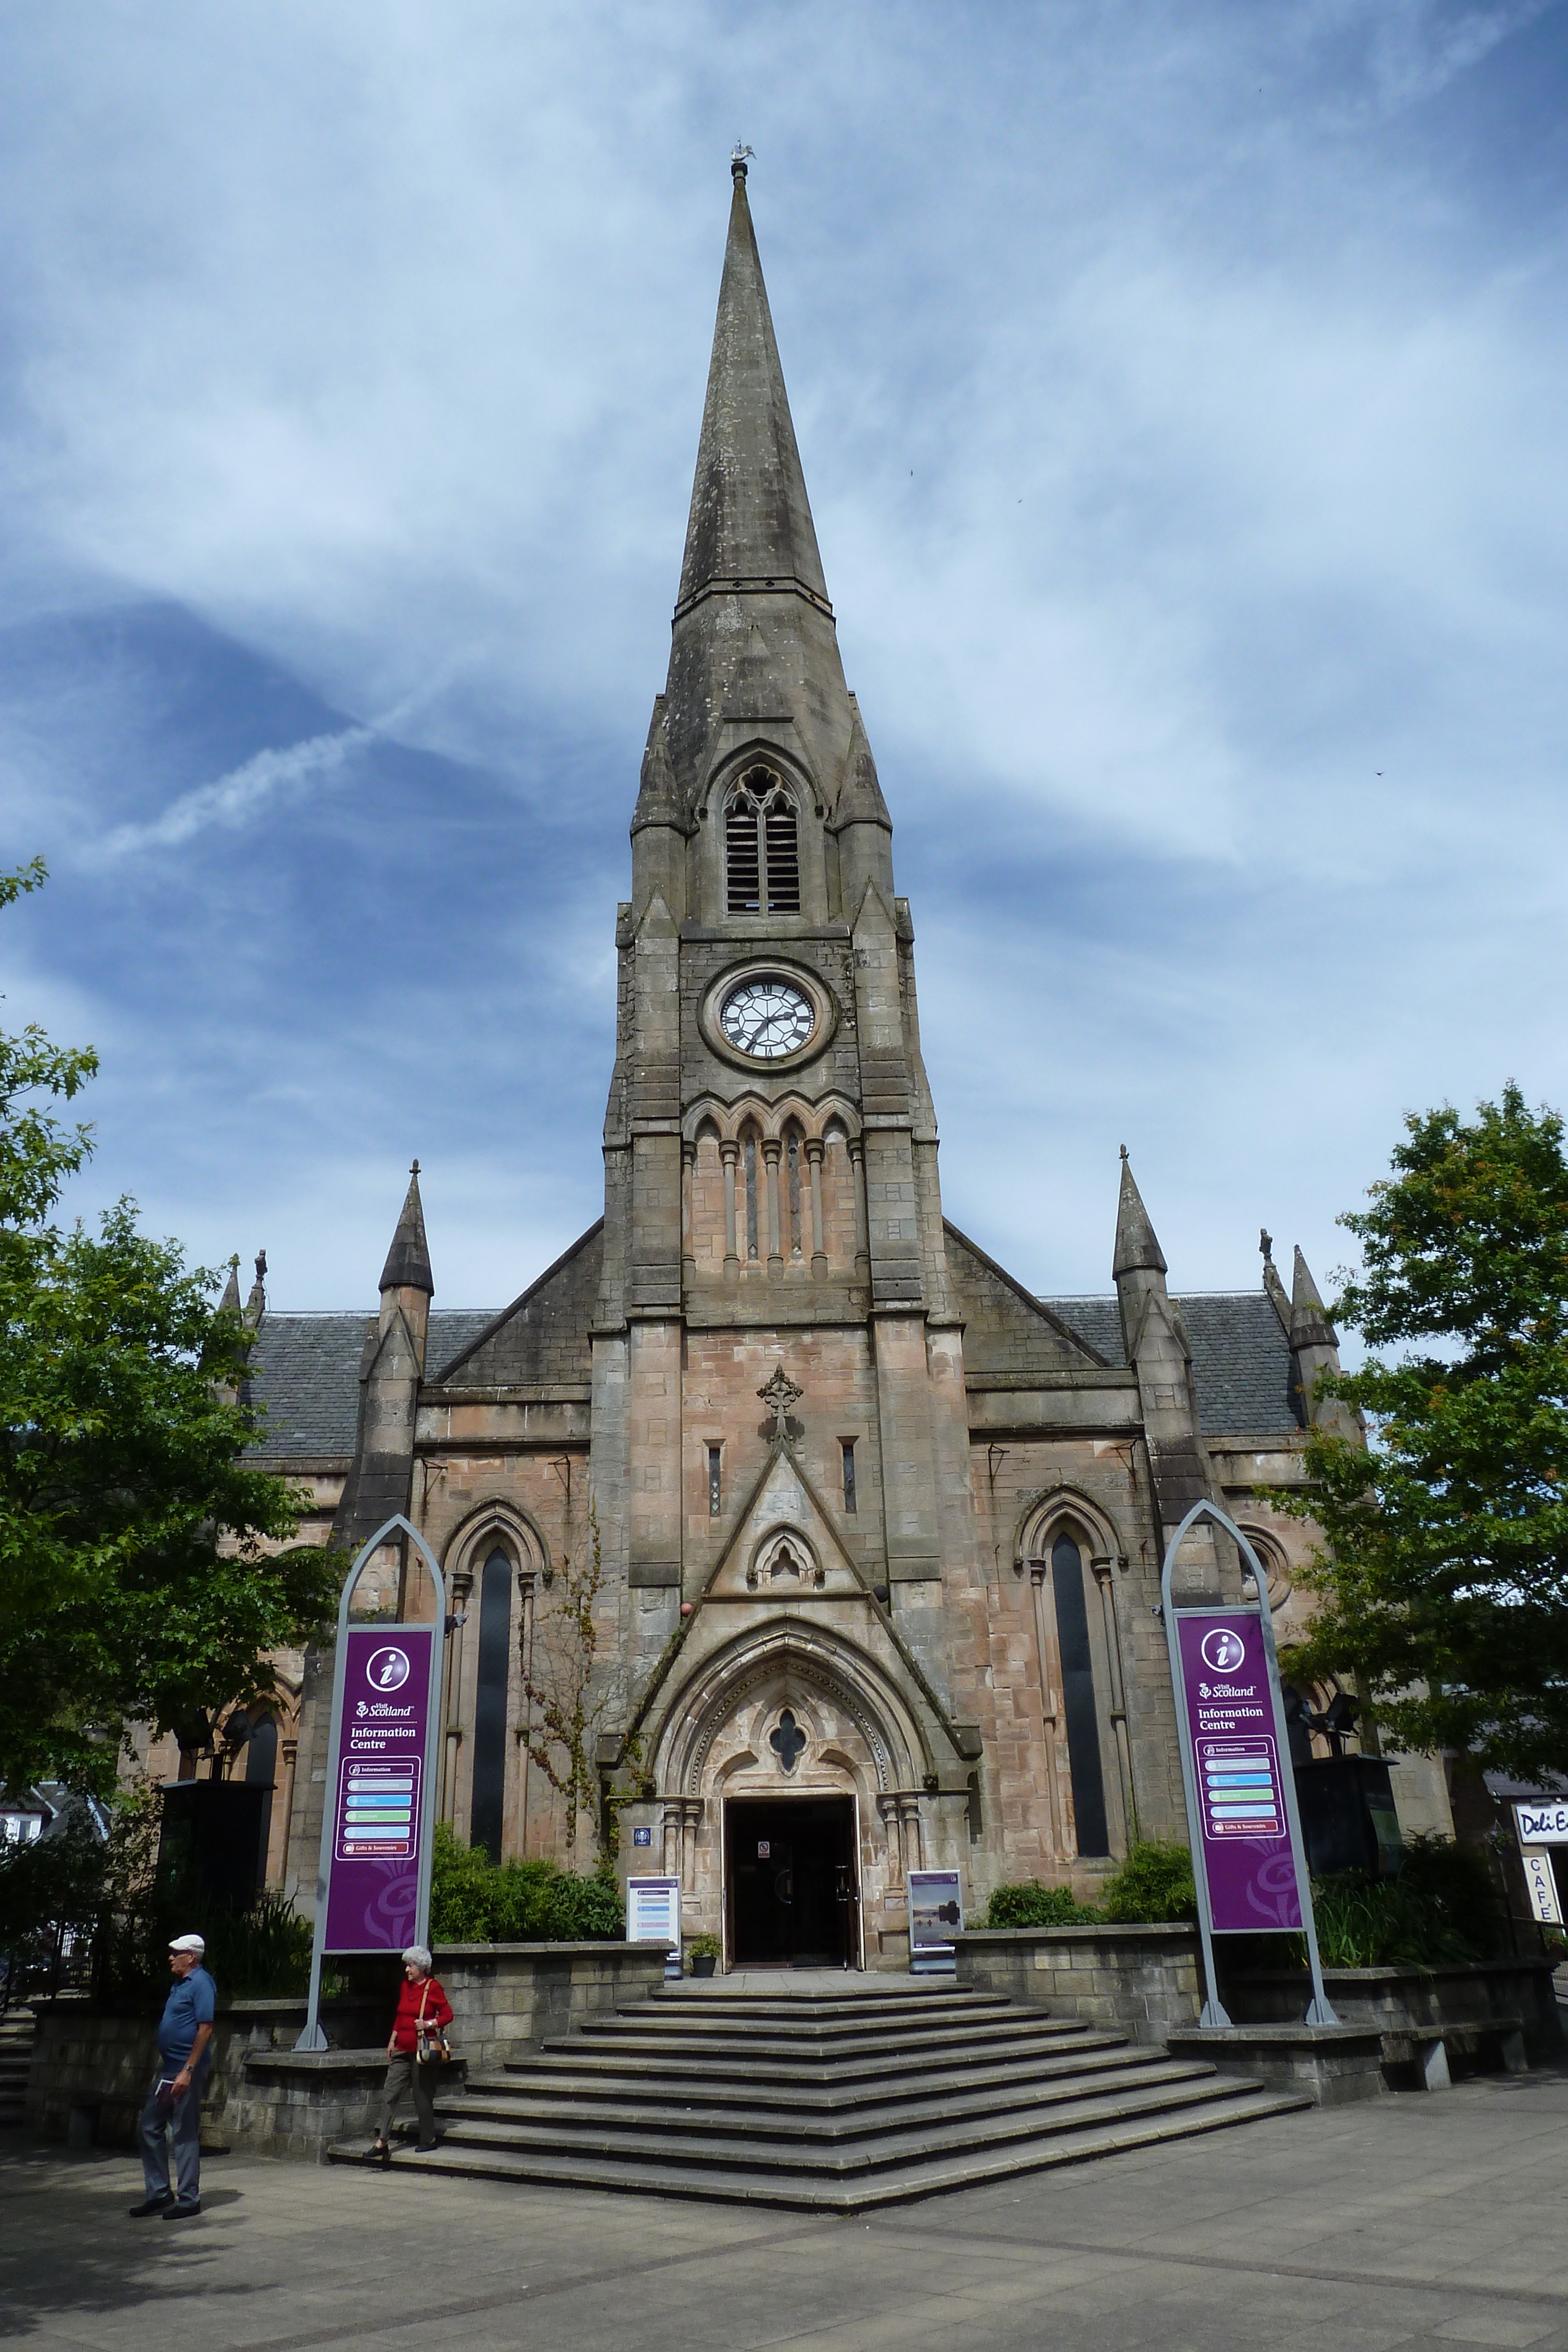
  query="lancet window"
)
[
  {"x": 761, "y": 846},
  {"x": 489, "y": 1811}
]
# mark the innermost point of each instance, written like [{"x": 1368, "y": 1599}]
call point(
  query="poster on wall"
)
[
  {"x": 935, "y": 1916},
  {"x": 383, "y": 1724}
]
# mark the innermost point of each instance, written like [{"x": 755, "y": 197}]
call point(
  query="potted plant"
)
[{"x": 704, "y": 1952}]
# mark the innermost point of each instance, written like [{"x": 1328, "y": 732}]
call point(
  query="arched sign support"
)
[
  {"x": 1248, "y": 1864},
  {"x": 378, "y": 1815}
]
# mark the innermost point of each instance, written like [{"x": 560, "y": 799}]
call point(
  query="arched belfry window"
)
[{"x": 761, "y": 848}]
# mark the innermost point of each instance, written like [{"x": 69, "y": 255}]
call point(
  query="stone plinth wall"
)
[
  {"x": 1396, "y": 1999},
  {"x": 102, "y": 2059},
  {"x": 508, "y": 1998},
  {"x": 265, "y": 2097},
  {"x": 295, "y": 2103},
  {"x": 1146, "y": 1980}
]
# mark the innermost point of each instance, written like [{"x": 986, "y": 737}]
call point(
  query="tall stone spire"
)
[
  {"x": 750, "y": 519},
  {"x": 754, "y": 655},
  {"x": 408, "y": 1260}
]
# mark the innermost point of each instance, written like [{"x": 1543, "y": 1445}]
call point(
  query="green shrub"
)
[
  {"x": 1155, "y": 1883},
  {"x": 1443, "y": 1907},
  {"x": 476, "y": 1901},
  {"x": 1032, "y": 1905}
]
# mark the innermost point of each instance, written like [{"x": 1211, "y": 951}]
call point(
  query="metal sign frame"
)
[
  {"x": 1214, "y": 2013},
  {"x": 313, "y": 2038}
]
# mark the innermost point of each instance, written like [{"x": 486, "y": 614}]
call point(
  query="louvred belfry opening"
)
[{"x": 762, "y": 847}]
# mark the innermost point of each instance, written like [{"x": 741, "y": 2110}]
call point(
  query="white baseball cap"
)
[{"x": 196, "y": 1944}]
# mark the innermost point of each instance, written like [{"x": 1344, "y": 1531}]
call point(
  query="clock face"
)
[{"x": 768, "y": 1018}]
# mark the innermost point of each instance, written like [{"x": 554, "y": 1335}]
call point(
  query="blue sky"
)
[{"x": 1180, "y": 389}]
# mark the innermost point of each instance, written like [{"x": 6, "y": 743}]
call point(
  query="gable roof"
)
[
  {"x": 1005, "y": 1327},
  {"x": 541, "y": 1337}
]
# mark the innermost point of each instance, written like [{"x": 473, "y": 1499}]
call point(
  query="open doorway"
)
[{"x": 793, "y": 1885}]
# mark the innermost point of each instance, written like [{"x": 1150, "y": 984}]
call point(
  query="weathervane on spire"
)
[{"x": 737, "y": 157}]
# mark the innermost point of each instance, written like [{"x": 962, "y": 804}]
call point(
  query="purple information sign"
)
[
  {"x": 1247, "y": 1855},
  {"x": 373, "y": 1895}
]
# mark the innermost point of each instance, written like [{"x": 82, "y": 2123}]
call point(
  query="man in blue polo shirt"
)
[{"x": 175, "y": 2102}]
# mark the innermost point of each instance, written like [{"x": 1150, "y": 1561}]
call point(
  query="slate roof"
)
[
  {"x": 305, "y": 1369},
  {"x": 1241, "y": 1355}
]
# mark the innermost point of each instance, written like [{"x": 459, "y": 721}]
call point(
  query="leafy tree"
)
[
  {"x": 1445, "y": 1586},
  {"x": 134, "y": 1581}
]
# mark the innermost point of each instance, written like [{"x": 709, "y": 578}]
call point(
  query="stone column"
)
[
  {"x": 526, "y": 1581},
  {"x": 290, "y": 1752},
  {"x": 1105, "y": 1569},
  {"x": 857, "y": 1186},
  {"x": 688, "y": 1161},
  {"x": 1051, "y": 1717},
  {"x": 459, "y": 1590},
  {"x": 771, "y": 1153},
  {"x": 729, "y": 1153},
  {"x": 814, "y": 1163}
]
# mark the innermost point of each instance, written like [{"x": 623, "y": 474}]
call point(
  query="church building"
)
[{"x": 838, "y": 1546}]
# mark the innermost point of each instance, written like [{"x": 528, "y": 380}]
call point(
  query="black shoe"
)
[
  {"x": 426, "y": 2147},
  {"x": 150, "y": 2206},
  {"x": 181, "y": 2211},
  {"x": 379, "y": 2154}
]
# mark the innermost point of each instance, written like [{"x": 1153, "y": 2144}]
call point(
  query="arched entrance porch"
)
[{"x": 791, "y": 1773}]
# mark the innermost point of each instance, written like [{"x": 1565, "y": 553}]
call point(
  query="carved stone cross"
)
[{"x": 778, "y": 1394}]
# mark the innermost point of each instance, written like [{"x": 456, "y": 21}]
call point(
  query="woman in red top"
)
[{"x": 423, "y": 2012}]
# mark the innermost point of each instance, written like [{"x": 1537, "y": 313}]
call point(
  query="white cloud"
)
[
  {"x": 1179, "y": 391},
  {"x": 237, "y": 799}
]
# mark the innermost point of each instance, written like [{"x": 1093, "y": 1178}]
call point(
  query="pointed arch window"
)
[
  {"x": 488, "y": 1814},
  {"x": 761, "y": 846},
  {"x": 1078, "y": 1698}
]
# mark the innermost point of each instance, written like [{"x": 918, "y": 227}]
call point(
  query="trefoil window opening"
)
[
  {"x": 715, "y": 1484},
  {"x": 846, "y": 1448}
]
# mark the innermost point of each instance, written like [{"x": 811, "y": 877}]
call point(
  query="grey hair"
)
[{"x": 420, "y": 1958}]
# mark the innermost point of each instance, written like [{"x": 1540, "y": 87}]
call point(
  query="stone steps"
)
[
  {"x": 15, "y": 2056},
  {"x": 826, "y": 2103}
]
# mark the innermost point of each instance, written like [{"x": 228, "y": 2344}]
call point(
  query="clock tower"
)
[{"x": 771, "y": 1194}]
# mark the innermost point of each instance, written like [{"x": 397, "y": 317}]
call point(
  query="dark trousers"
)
[
  {"x": 405, "y": 2074},
  {"x": 182, "y": 2124}
]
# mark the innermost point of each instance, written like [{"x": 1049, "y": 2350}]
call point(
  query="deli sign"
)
[{"x": 1543, "y": 1824}]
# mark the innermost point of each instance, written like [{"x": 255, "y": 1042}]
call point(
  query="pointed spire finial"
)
[
  {"x": 749, "y": 529},
  {"x": 1137, "y": 1250},
  {"x": 408, "y": 1260},
  {"x": 1266, "y": 1244},
  {"x": 229, "y": 1303},
  {"x": 1310, "y": 1325},
  {"x": 413, "y": 1166},
  {"x": 738, "y": 155}
]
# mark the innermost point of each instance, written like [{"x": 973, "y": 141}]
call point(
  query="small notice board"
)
[
  {"x": 654, "y": 1916},
  {"x": 935, "y": 1916}
]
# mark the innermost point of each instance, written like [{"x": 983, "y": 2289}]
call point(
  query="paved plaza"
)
[{"x": 1413, "y": 2222}]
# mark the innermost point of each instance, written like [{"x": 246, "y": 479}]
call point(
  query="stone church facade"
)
[{"x": 872, "y": 1535}]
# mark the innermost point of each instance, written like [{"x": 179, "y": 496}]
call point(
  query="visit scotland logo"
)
[{"x": 1223, "y": 1650}]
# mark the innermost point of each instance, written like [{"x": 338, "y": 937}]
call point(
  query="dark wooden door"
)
[{"x": 792, "y": 1881}]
